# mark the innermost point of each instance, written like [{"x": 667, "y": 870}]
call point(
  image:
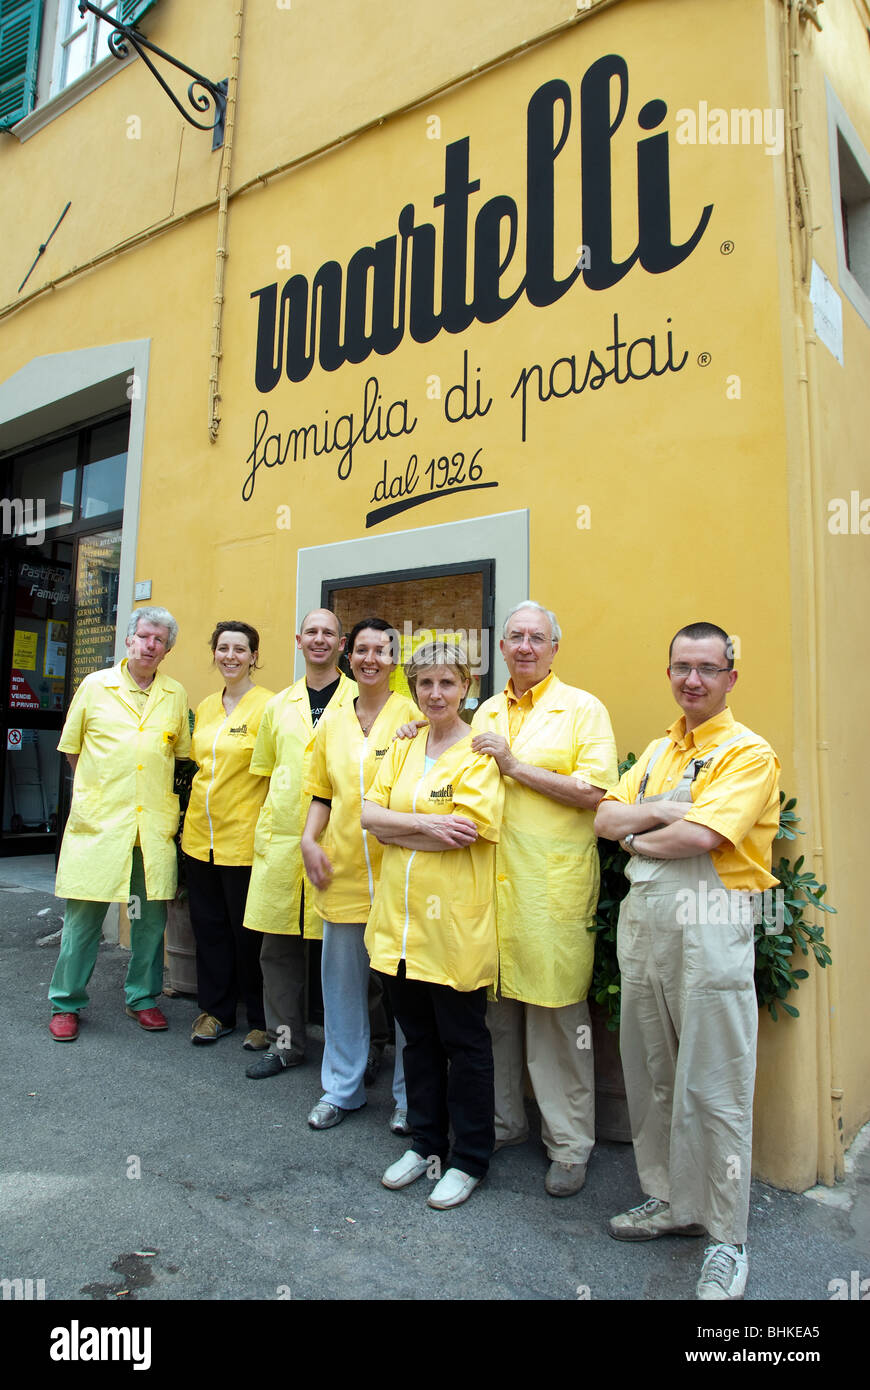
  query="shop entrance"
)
[{"x": 59, "y": 565}]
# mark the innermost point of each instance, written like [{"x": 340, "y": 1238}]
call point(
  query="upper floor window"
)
[
  {"x": 82, "y": 41},
  {"x": 47, "y": 46}
]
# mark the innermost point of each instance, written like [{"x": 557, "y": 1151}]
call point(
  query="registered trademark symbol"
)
[
  {"x": 726, "y": 248},
  {"x": 704, "y": 359}
]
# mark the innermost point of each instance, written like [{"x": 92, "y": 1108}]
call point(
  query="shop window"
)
[
  {"x": 46, "y": 479},
  {"x": 451, "y": 603},
  {"x": 104, "y": 475},
  {"x": 59, "y": 585}
]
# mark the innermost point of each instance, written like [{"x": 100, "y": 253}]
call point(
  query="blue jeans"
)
[{"x": 344, "y": 974}]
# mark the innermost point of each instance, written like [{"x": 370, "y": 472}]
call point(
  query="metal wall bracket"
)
[{"x": 202, "y": 94}]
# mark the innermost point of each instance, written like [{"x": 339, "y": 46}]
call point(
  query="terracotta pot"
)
[
  {"x": 180, "y": 948},
  {"x": 611, "y": 1107}
]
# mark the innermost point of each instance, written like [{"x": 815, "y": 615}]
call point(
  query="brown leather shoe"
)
[
  {"x": 64, "y": 1027},
  {"x": 256, "y": 1041},
  {"x": 207, "y": 1029},
  {"x": 152, "y": 1020}
]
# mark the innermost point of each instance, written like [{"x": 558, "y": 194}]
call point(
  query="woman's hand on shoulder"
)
[{"x": 411, "y": 729}]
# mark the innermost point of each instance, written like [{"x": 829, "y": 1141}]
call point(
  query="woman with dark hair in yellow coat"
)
[
  {"x": 349, "y": 745},
  {"x": 218, "y": 841}
]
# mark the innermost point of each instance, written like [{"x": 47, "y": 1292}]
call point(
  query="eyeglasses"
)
[
  {"x": 535, "y": 639},
  {"x": 681, "y": 669}
]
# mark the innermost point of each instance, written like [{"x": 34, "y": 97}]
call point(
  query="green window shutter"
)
[
  {"x": 131, "y": 11},
  {"x": 20, "y": 23}
]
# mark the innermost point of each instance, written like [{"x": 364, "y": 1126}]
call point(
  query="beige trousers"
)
[
  {"x": 687, "y": 1038},
  {"x": 556, "y": 1046}
]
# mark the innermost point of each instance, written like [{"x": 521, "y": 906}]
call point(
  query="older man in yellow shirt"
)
[
  {"x": 698, "y": 813},
  {"x": 555, "y": 749},
  {"x": 124, "y": 730}
]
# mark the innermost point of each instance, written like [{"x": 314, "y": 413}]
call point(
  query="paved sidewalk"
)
[{"x": 138, "y": 1163}]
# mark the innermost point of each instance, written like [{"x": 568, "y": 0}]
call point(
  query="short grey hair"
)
[
  {"x": 539, "y": 607},
  {"x": 160, "y": 616}
]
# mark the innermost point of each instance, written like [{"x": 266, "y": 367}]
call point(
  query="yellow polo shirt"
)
[{"x": 738, "y": 796}]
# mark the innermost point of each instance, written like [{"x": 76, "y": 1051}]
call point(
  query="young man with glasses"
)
[{"x": 698, "y": 813}]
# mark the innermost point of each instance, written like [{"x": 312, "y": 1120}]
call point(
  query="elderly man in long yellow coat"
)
[
  {"x": 555, "y": 748},
  {"x": 125, "y": 728}
]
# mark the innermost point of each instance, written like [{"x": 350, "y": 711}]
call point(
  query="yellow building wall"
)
[
  {"x": 652, "y": 503},
  {"x": 832, "y": 581}
]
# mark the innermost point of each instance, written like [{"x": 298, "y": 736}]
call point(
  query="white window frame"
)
[
  {"x": 51, "y": 102},
  {"x": 840, "y": 125},
  {"x": 70, "y": 24}
]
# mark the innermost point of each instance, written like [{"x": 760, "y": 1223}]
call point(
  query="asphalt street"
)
[{"x": 137, "y": 1167}]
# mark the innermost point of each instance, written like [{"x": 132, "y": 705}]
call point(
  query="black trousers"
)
[
  {"x": 227, "y": 954},
  {"x": 448, "y": 1071}
]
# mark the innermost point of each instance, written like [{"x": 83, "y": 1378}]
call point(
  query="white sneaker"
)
[
  {"x": 454, "y": 1188},
  {"x": 724, "y": 1272},
  {"x": 405, "y": 1170}
]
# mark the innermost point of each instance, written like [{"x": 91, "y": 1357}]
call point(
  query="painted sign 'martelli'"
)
[{"x": 387, "y": 292}]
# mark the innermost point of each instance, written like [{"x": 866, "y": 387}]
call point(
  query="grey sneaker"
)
[
  {"x": 724, "y": 1272},
  {"x": 399, "y": 1121},
  {"x": 271, "y": 1064},
  {"x": 649, "y": 1221}
]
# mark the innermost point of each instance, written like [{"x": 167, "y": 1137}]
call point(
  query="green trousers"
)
[{"x": 80, "y": 942}]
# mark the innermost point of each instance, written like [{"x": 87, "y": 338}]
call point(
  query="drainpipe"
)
[
  {"x": 829, "y": 1045},
  {"x": 214, "y": 396}
]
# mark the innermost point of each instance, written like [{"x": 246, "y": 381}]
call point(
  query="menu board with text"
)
[{"x": 96, "y": 604}]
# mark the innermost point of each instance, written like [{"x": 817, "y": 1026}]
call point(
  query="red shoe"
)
[
  {"x": 152, "y": 1020},
  {"x": 64, "y": 1027}
]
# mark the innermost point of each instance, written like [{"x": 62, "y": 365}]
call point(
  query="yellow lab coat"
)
[
  {"x": 343, "y": 767},
  {"x": 436, "y": 908},
  {"x": 546, "y": 868},
  {"x": 123, "y": 787},
  {"x": 225, "y": 798},
  {"x": 283, "y": 752}
]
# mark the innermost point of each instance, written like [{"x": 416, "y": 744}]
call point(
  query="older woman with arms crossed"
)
[{"x": 437, "y": 807}]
